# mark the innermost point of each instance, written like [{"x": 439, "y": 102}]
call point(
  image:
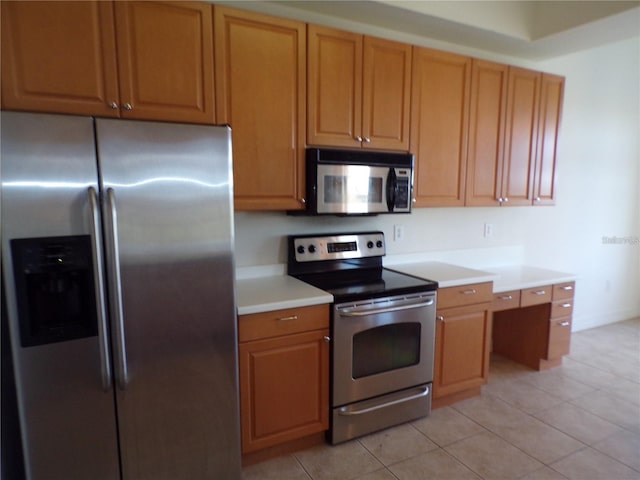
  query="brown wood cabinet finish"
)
[
  {"x": 463, "y": 341},
  {"x": 359, "y": 90},
  {"x": 284, "y": 377},
  {"x": 551, "y": 99},
  {"x": 165, "y": 59},
  {"x": 260, "y": 91},
  {"x": 439, "y": 121},
  {"x": 61, "y": 57}
]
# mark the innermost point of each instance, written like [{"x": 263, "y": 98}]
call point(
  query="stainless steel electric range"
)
[{"x": 382, "y": 331}]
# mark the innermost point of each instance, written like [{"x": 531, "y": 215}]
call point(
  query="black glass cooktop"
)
[{"x": 371, "y": 283}]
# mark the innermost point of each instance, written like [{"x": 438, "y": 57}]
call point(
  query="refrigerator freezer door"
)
[
  {"x": 67, "y": 417},
  {"x": 167, "y": 205}
]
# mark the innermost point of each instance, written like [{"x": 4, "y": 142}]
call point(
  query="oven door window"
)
[{"x": 385, "y": 348}]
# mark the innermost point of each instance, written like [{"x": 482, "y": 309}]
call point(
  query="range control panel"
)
[{"x": 337, "y": 247}]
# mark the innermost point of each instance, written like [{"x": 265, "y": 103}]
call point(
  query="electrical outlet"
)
[
  {"x": 488, "y": 229},
  {"x": 398, "y": 233}
]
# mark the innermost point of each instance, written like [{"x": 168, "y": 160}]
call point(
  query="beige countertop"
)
[
  {"x": 446, "y": 274},
  {"x": 276, "y": 292}
]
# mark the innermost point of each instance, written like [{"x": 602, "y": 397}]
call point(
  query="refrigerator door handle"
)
[
  {"x": 98, "y": 282},
  {"x": 116, "y": 292}
]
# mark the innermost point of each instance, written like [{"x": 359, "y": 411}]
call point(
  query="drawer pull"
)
[
  {"x": 471, "y": 291},
  {"x": 565, "y": 324},
  {"x": 566, "y": 305},
  {"x": 567, "y": 288},
  {"x": 539, "y": 292},
  {"x": 440, "y": 318},
  {"x": 286, "y": 319},
  {"x": 506, "y": 297},
  {"x": 326, "y": 339}
]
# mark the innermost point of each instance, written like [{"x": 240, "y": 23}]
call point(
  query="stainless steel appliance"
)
[
  {"x": 358, "y": 182},
  {"x": 382, "y": 331},
  {"x": 117, "y": 255}
]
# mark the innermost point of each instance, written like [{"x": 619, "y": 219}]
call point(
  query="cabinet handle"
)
[
  {"x": 440, "y": 318},
  {"x": 567, "y": 288},
  {"x": 413, "y": 200},
  {"x": 286, "y": 319},
  {"x": 500, "y": 199},
  {"x": 539, "y": 292},
  {"x": 537, "y": 199},
  {"x": 326, "y": 339},
  {"x": 303, "y": 201},
  {"x": 506, "y": 297},
  {"x": 128, "y": 106},
  {"x": 359, "y": 138},
  {"x": 367, "y": 140},
  {"x": 471, "y": 291},
  {"x": 565, "y": 324},
  {"x": 505, "y": 199},
  {"x": 113, "y": 105},
  {"x": 566, "y": 305}
]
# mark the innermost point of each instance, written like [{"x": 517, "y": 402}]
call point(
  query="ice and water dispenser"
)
[{"x": 54, "y": 289}]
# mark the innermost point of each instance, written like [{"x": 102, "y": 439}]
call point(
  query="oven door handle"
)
[
  {"x": 376, "y": 311},
  {"x": 345, "y": 412}
]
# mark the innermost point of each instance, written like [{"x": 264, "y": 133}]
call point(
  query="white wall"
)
[{"x": 598, "y": 180}]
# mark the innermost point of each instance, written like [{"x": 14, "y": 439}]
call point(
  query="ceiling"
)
[{"x": 529, "y": 29}]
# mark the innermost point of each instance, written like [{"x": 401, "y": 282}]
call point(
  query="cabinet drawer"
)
[
  {"x": 564, "y": 290},
  {"x": 536, "y": 296},
  {"x": 559, "y": 337},
  {"x": 505, "y": 300},
  {"x": 282, "y": 322},
  {"x": 562, "y": 308},
  {"x": 465, "y": 295}
]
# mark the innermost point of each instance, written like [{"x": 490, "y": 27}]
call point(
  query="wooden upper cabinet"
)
[
  {"x": 59, "y": 57},
  {"x": 520, "y": 136},
  {"x": 359, "y": 90},
  {"x": 486, "y": 132},
  {"x": 165, "y": 53},
  {"x": 260, "y": 91},
  {"x": 551, "y": 98},
  {"x": 439, "y": 122},
  {"x": 386, "y": 94}
]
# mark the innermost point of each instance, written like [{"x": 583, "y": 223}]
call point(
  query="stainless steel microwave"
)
[{"x": 358, "y": 182}]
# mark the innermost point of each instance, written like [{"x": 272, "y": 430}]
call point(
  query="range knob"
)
[
  {"x": 300, "y": 249},
  {"x": 379, "y": 244},
  {"x": 369, "y": 244},
  {"x": 312, "y": 249}
]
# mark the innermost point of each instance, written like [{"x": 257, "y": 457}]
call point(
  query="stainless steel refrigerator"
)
[{"x": 117, "y": 256}]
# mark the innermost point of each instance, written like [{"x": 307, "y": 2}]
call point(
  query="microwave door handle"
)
[{"x": 392, "y": 186}]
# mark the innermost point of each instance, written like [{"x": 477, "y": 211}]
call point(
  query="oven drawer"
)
[
  {"x": 465, "y": 295},
  {"x": 282, "y": 322}
]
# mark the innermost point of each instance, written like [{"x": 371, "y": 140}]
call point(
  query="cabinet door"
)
[
  {"x": 284, "y": 389},
  {"x": 520, "y": 136},
  {"x": 386, "y": 93},
  {"x": 463, "y": 336},
  {"x": 165, "y": 60},
  {"x": 486, "y": 133},
  {"x": 59, "y": 57},
  {"x": 260, "y": 87},
  {"x": 551, "y": 97},
  {"x": 439, "y": 119},
  {"x": 335, "y": 87}
]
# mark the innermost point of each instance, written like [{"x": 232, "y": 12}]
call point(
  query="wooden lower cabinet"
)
[
  {"x": 537, "y": 332},
  {"x": 284, "y": 379},
  {"x": 463, "y": 341}
]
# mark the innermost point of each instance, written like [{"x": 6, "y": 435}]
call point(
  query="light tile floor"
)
[{"x": 579, "y": 421}]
